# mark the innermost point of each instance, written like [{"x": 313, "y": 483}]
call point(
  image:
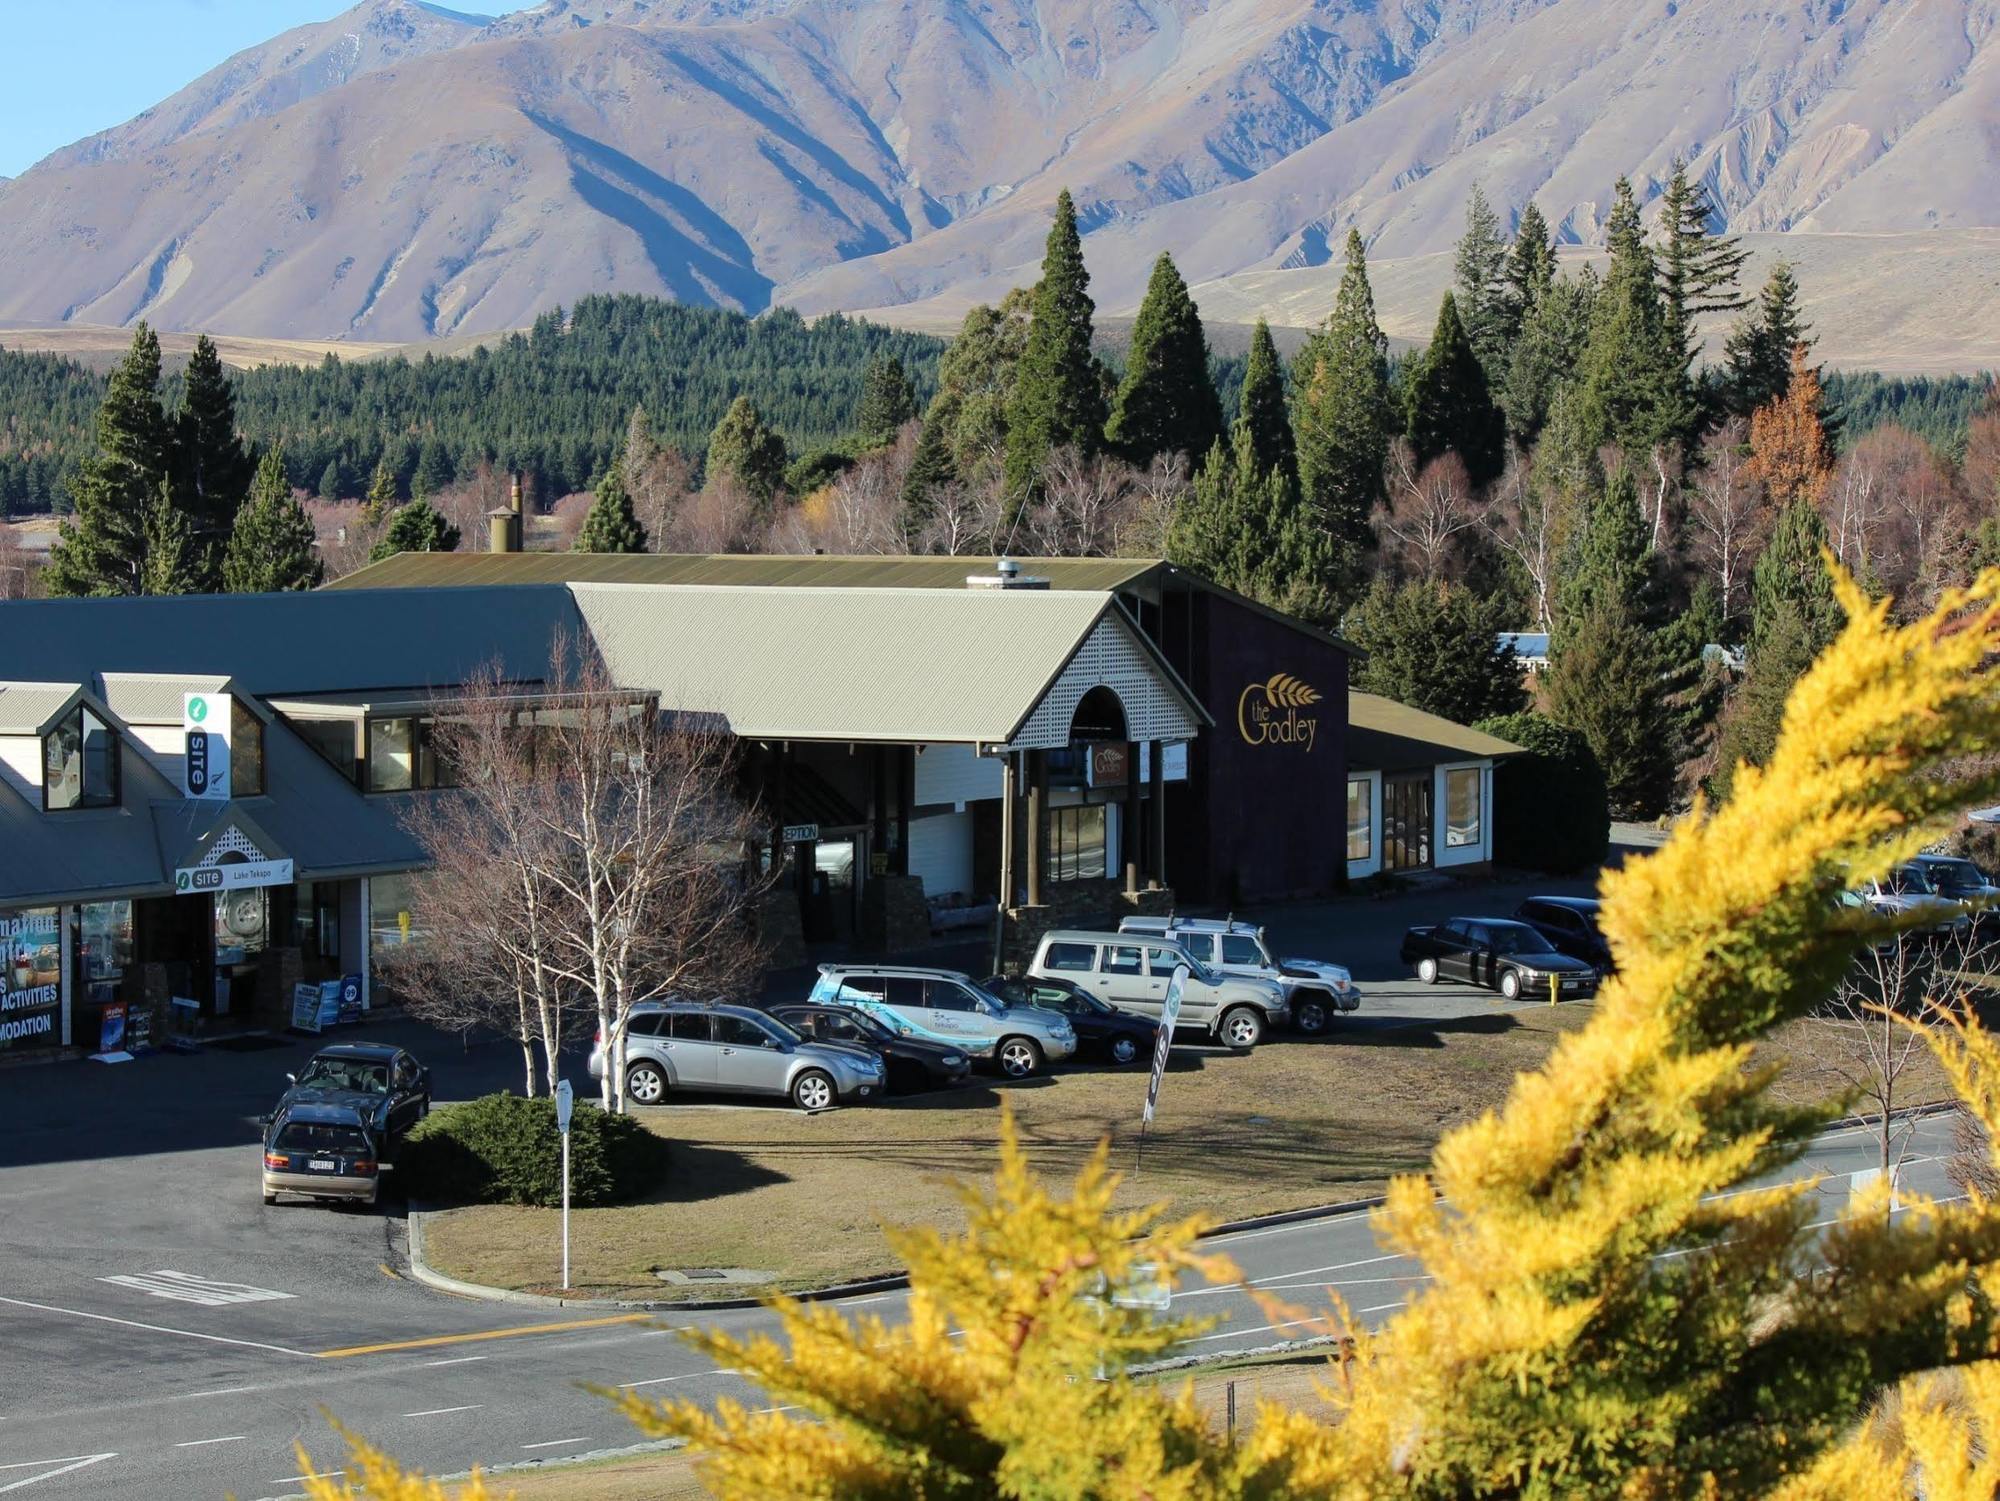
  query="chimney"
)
[
  {"x": 1006, "y": 574},
  {"x": 514, "y": 501},
  {"x": 503, "y": 528}
]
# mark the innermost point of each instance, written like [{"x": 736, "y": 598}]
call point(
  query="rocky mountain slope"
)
[{"x": 404, "y": 171}]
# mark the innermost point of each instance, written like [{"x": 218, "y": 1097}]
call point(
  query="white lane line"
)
[
  {"x": 196, "y": 1443},
  {"x": 319, "y": 1475},
  {"x": 1269, "y": 1278},
  {"x": 690, "y": 1376},
  {"x": 220, "y": 1391},
  {"x": 438, "y": 1412},
  {"x": 1260, "y": 1329},
  {"x": 105, "y": 1318},
  {"x": 457, "y": 1360},
  {"x": 67, "y": 1463},
  {"x": 188, "y": 1288},
  {"x": 557, "y": 1443}
]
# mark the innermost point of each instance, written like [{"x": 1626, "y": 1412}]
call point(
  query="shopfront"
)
[{"x": 34, "y": 1011}]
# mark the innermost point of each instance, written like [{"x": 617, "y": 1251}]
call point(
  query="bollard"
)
[
  {"x": 1552, "y": 990},
  {"x": 1229, "y": 1394}
]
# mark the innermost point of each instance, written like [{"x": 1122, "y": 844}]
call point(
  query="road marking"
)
[
  {"x": 691, "y": 1375},
  {"x": 220, "y": 1391},
  {"x": 320, "y": 1475},
  {"x": 105, "y": 1318},
  {"x": 389, "y": 1271},
  {"x": 196, "y": 1443},
  {"x": 188, "y": 1288},
  {"x": 1260, "y": 1329},
  {"x": 69, "y": 1463},
  {"x": 557, "y": 1443},
  {"x": 461, "y": 1360},
  {"x": 434, "y": 1340},
  {"x": 438, "y": 1412}
]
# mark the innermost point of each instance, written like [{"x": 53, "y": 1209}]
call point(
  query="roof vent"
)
[{"x": 1006, "y": 574}]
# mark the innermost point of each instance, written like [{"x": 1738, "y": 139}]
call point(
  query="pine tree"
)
[
  {"x": 1058, "y": 399},
  {"x": 434, "y": 472},
  {"x": 1604, "y": 679},
  {"x": 1448, "y": 407},
  {"x": 887, "y": 400},
  {"x": 1343, "y": 417},
  {"x": 1757, "y": 359},
  {"x": 102, "y": 548},
  {"x": 416, "y": 527},
  {"x": 174, "y": 561},
  {"x": 1635, "y": 385},
  {"x": 1166, "y": 402},
  {"x": 931, "y": 466},
  {"x": 1435, "y": 647},
  {"x": 1698, "y": 268},
  {"x": 1262, "y": 433},
  {"x": 211, "y": 470},
  {"x": 331, "y": 478},
  {"x": 1479, "y": 275},
  {"x": 1547, "y": 353},
  {"x": 271, "y": 546},
  {"x": 1611, "y": 566},
  {"x": 1791, "y": 577},
  {"x": 381, "y": 497},
  {"x": 610, "y": 525},
  {"x": 978, "y": 372},
  {"x": 743, "y": 447},
  {"x": 1531, "y": 267}
]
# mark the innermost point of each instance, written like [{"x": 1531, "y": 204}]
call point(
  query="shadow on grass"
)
[
  {"x": 696, "y": 1173},
  {"x": 1417, "y": 1034}
]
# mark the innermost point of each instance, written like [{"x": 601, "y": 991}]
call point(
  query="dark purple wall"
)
[{"x": 1262, "y": 814}]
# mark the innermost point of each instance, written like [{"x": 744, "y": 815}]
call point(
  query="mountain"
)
[{"x": 404, "y": 171}]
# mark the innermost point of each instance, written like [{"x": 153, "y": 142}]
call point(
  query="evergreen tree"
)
[
  {"x": 1058, "y": 398},
  {"x": 1262, "y": 433},
  {"x": 1531, "y": 268},
  {"x": 979, "y": 371},
  {"x": 271, "y": 545},
  {"x": 1166, "y": 402},
  {"x": 1343, "y": 417},
  {"x": 742, "y": 446},
  {"x": 1435, "y": 647},
  {"x": 381, "y": 497},
  {"x": 887, "y": 400},
  {"x": 931, "y": 466},
  {"x": 1757, "y": 359},
  {"x": 1550, "y": 809},
  {"x": 610, "y": 525},
  {"x": 1634, "y": 381},
  {"x": 1448, "y": 406},
  {"x": 331, "y": 479},
  {"x": 1208, "y": 533},
  {"x": 1479, "y": 275},
  {"x": 1698, "y": 268},
  {"x": 212, "y": 472},
  {"x": 1245, "y": 526},
  {"x": 174, "y": 560},
  {"x": 416, "y": 527},
  {"x": 1547, "y": 353},
  {"x": 1791, "y": 579},
  {"x": 1611, "y": 566},
  {"x": 102, "y": 549},
  {"x": 1604, "y": 680},
  {"x": 434, "y": 469}
]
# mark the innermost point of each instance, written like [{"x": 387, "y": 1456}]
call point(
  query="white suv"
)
[
  {"x": 1131, "y": 972},
  {"x": 1314, "y": 988}
]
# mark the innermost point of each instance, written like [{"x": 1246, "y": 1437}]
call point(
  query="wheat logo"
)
[{"x": 1273, "y": 712}]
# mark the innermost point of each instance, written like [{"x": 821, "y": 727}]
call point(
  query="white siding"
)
[
  {"x": 164, "y": 745},
  {"x": 21, "y": 765},
  {"x": 1113, "y": 657},
  {"x": 941, "y": 852},
  {"x": 1444, "y": 855},
  {"x": 953, "y": 774}
]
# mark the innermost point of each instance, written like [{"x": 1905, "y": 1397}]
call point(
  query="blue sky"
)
[{"x": 81, "y": 66}]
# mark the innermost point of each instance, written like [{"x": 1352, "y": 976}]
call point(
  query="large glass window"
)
[
  {"x": 80, "y": 762},
  {"x": 1462, "y": 811},
  {"x": 1076, "y": 846},
  {"x": 391, "y": 914},
  {"x": 104, "y": 947},
  {"x": 392, "y": 755},
  {"x": 1360, "y": 819},
  {"x": 246, "y": 751},
  {"x": 336, "y": 740},
  {"x": 315, "y": 919}
]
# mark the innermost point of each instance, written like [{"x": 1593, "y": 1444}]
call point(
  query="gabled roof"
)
[
  {"x": 30, "y": 708},
  {"x": 1383, "y": 735},
  {"x": 160, "y": 697},
  {"x": 422, "y": 570}
]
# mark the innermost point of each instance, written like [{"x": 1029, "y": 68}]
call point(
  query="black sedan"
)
[
  {"x": 1570, "y": 925},
  {"x": 1498, "y": 953},
  {"x": 1102, "y": 1031},
  {"x": 909, "y": 1064},
  {"x": 386, "y": 1088}
]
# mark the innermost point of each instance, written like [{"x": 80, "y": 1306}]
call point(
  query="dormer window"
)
[{"x": 79, "y": 762}]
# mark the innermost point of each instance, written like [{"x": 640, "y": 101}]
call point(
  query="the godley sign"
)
[
  {"x": 205, "y": 745},
  {"x": 1277, "y": 711}
]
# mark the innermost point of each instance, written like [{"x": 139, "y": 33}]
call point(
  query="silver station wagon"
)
[{"x": 675, "y": 1046}]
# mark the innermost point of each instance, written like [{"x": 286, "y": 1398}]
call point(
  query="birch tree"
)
[{"x": 1727, "y": 515}]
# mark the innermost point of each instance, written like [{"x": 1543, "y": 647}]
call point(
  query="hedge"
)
[
  {"x": 1550, "y": 809},
  {"x": 503, "y": 1149}
]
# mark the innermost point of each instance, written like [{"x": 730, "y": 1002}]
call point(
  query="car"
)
[
  {"x": 1498, "y": 953},
  {"x": 1132, "y": 974},
  {"x": 1957, "y": 879},
  {"x": 680, "y": 1045},
  {"x": 321, "y": 1150},
  {"x": 1102, "y": 1030},
  {"x": 385, "y": 1085},
  {"x": 1907, "y": 890},
  {"x": 1570, "y": 924},
  {"x": 945, "y": 1005},
  {"x": 1314, "y": 989},
  {"x": 909, "y": 1065}
]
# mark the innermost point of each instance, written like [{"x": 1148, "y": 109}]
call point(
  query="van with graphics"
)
[{"x": 942, "y": 1005}]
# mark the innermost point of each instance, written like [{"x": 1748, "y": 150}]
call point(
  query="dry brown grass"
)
[{"x": 100, "y": 346}]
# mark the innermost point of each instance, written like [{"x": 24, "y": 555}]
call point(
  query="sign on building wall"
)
[
  {"x": 193, "y": 878},
  {"x": 205, "y": 749},
  {"x": 1279, "y": 711},
  {"x": 31, "y": 993},
  {"x": 1110, "y": 764}
]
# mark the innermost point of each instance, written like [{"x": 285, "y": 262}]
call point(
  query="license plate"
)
[{"x": 321, "y": 1164}]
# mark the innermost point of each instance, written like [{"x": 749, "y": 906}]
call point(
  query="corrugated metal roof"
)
[
  {"x": 1383, "y": 735},
  {"x": 27, "y": 708},
  {"x": 417, "y": 570},
  {"x": 160, "y": 697},
  {"x": 841, "y": 664}
]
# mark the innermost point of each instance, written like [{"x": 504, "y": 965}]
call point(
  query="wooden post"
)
[
  {"x": 906, "y": 801},
  {"x": 1008, "y": 798},
  {"x": 878, "y": 810},
  {"x": 1038, "y": 823},
  {"x": 1157, "y": 814},
  {"x": 1128, "y": 826}
]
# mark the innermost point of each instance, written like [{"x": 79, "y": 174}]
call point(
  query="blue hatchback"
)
[{"x": 942, "y": 1005}]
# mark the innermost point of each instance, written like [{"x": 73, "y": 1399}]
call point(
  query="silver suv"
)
[
  {"x": 1314, "y": 988},
  {"x": 677, "y": 1045},
  {"x": 943, "y": 1005},
  {"x": 1132, "y": 973}
]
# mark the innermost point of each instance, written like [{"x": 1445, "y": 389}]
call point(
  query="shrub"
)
[
  {"x": 1550, "y": 810},
  {"x": 503, "y": 1149}
]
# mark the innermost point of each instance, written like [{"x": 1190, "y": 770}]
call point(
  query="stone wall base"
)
[
  {"x": 1096, "y": 906},
  {"x": 780, "y": 926},
  {"x": 894, "y": 918}
]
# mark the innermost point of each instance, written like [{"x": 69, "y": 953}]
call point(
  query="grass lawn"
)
[{"x": 1296, "y": 1123}]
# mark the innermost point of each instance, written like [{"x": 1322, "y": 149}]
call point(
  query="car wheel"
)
[
  {"x": 813, "y": 1091},
  {"x": 1427, "y": 971},
  {"x": 1242, "y": 1029},
  {"x": 1019, "y": 1057},
  {"x": 1510, "y": 985},
  {"x": 1309, "y": 1013},
  {"x": 645, "y": 1084}
]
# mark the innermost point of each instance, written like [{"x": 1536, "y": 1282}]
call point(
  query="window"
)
[
  {"x": 301, "y": 1136},
  {"x": 942, "y": 995},
  {"x": 1164, "y": 961},
  {"x": 688, "y": 1026},
  {"x": 646, "y": 1024},
  {"x": 246, "y": 751},
  {"x": 741, "y": 1032},
  {"x": 1076, "y": 843},
  {"x": 104, "y": 946},
  {"x": 391, "y": 913},
  {"x": 1080, "y": 957},
  {"x": 335, "y": 740},
  {"x": 79, "y": 763},
  {"x": 392, "y": 755},
  {"x": 837, "y": 1028},
  {"x": 1360, "y": 819},
  {"x": 869, "y": 987},
  {"x": 1239, "y": 948},
  {"x": 1461, "y": 807},
  {"x": 315, "y": 919},
  {"x": 1121, "y": 960},
  {"x": 903, "y": 991}
]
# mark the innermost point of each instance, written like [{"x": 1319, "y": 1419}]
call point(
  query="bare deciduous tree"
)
[
  {"x": 1530, "y": 520},
  {"x": 723, "y": 516},
  {"x": 1083, "y": 506},
  {"x": 860, "y": 512},
  {"x": 1428, "y": 512},
  {"x": 965, "y": 517},
  {"x": 1727, "y": 514}
]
